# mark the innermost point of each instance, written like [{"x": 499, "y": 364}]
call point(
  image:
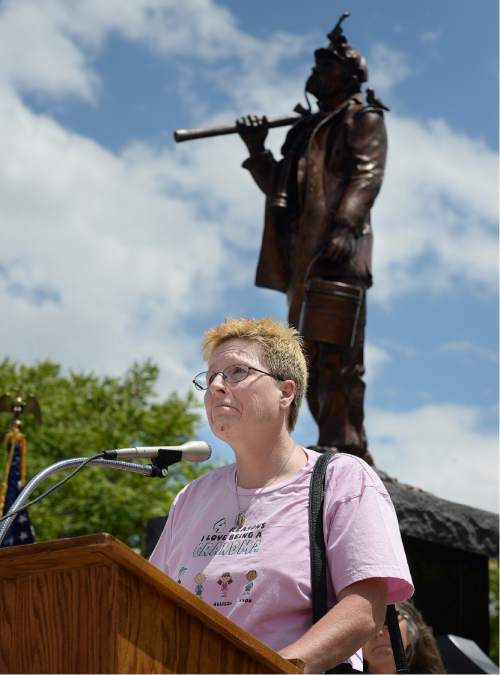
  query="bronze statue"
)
[{"x": 317, "y": 241}]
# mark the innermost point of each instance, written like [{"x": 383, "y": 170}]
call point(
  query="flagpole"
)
[
  {"x": 8, "y": 464},
  {"x": 14, "y": 475}
]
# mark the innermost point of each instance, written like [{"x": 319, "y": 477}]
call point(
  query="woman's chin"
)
[{"x": 223, "y": 428}]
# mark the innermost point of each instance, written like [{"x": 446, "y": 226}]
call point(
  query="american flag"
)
[{"x": 20, "y": 531}]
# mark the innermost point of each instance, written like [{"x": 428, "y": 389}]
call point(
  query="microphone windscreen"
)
[{"x": 196, "y": 451}]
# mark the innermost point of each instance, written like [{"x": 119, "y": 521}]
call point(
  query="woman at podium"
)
[{"x": 240, "y": 533}]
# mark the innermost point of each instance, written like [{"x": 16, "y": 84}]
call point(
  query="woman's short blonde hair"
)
[{"x": 281, "y": 345}]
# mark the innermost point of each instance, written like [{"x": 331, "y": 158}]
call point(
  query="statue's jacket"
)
[{"x": 332, "y": 169}]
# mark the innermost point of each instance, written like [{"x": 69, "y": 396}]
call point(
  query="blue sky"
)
[{"x": 119, "y": 245}]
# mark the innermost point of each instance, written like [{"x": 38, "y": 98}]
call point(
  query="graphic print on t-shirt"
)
[
  {"x": 238, "y": 541},
  {"x": 219, "y": 525},
  {"x": 224, "y": 580},
  {"x": 199, "y": 579},
  {"x": 250, "y": 576},
  {"x": 180, "y": 573}
]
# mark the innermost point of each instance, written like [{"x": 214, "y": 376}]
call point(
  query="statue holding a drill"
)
[{"x": 317, "y": 241}]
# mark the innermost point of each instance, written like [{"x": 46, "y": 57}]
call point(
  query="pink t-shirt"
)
[{"x": 258, "y": 574}]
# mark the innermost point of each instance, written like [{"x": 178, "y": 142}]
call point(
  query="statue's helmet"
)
[{"x": 340, "y": 49}]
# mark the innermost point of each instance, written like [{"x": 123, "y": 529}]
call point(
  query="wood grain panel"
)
[
  {"x": 8, "y": 626},
  {"x": 58, "y": 621},
  {"x": 167, "y": 639},
  {"x": 36, "y": 558}
]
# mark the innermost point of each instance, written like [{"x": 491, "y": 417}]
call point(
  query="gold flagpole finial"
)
[{"x": 17, "y": 407}]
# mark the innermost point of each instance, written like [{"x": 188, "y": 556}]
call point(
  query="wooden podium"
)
[{"x": 91, "y": 605}]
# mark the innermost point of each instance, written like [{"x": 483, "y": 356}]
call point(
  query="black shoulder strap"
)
[
  {"x": 319, "y": 566},
  {"x": 398, "y": 650},
  {"x": 317, "y": 537}
]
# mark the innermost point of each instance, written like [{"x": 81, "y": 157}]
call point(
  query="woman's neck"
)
[{"x": 262, "y": 462}]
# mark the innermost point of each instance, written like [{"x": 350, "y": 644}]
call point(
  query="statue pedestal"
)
[{"x": 448, "y": 546}]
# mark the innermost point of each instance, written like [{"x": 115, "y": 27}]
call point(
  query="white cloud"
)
[
  {"x": 387, "y": 68},
  {"x": 199, "y": 28},
  {"x": 208, "y": 176},
  {"x": 123, "y": 256},
  {"x": 375, "y": 359},
  {"x": 435, "y": 218},
  {"x": 445, "y": 449},
  {"x": 37, "y": 55},
  {"x": 395, "y": 347},
  {"x": 431, "y": 36},
  {"x": 466, "y": 347},
  {"x": 49, "y": 46},
  {"x": 112, "y": 249}
]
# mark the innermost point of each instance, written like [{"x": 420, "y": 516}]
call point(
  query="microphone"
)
[{"x": 192, "y": 451}]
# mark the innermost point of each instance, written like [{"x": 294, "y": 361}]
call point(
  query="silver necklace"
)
[{"x": 241, "y": 515}]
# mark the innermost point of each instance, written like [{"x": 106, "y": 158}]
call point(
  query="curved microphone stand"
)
[{"x": 145, "y": 470}]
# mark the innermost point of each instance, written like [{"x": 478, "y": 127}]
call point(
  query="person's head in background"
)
[{"x": 420, "y": 646}]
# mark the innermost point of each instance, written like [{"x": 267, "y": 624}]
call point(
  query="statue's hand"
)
[
  {"x": 340, "y": 247},
  {"x": 253, "y": 131}
]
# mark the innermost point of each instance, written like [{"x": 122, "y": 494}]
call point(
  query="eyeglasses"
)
[{"x": 231, "y": 374}]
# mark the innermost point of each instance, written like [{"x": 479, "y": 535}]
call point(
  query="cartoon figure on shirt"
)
[
  {"x": 180, "y": 573},
  {"x": 200, "y": 579},
  {"x": 219, "y": 525},
  {"x": 250, "y": 576},
  {"x": 224, "y": 581}
]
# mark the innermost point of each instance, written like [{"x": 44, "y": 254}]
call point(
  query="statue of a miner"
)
[{"x": 317, "y": 241}]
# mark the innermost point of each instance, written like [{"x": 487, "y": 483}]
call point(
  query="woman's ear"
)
[{"x": 288, "y": 389}]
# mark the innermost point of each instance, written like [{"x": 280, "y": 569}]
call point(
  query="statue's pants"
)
[{"x": 336, "y": 392}]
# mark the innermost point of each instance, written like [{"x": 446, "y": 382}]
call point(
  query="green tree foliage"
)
[{"x": 84, "y": 414}]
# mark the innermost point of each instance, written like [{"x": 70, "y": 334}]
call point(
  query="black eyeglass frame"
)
[{"x": 200, "y": 387}]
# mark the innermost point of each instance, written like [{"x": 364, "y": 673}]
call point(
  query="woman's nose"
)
[{"x": 218, "y": 382}]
